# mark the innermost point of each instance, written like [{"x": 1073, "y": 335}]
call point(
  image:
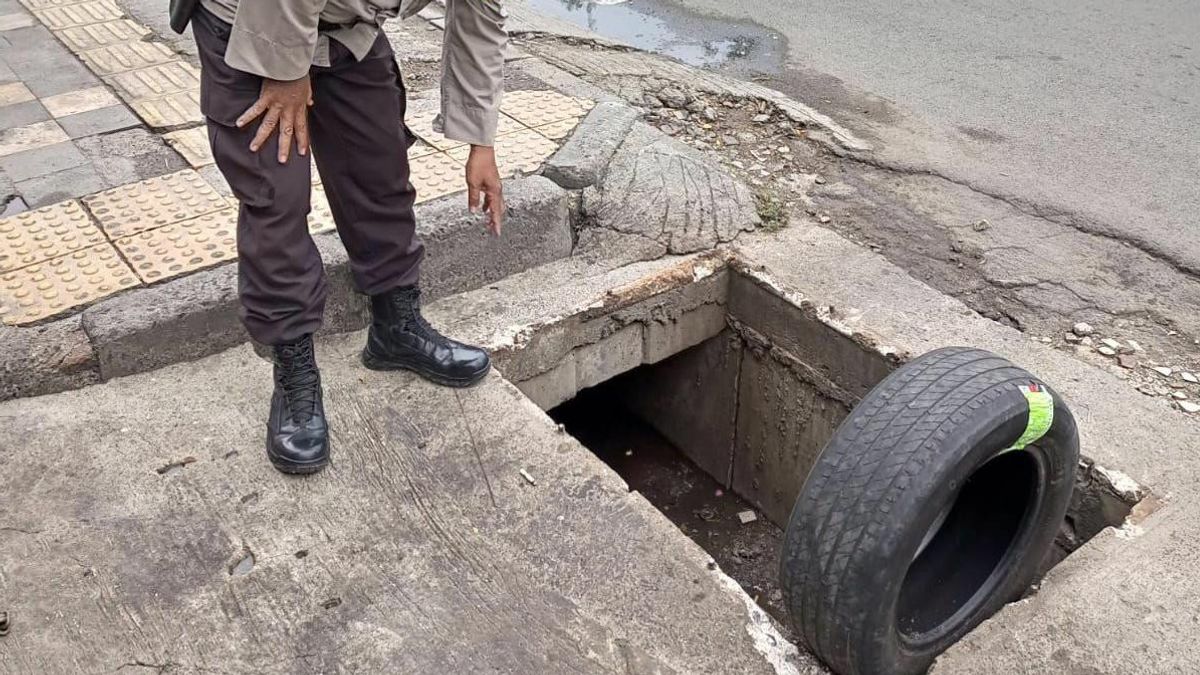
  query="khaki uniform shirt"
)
[{"x": 279, "y": 40}]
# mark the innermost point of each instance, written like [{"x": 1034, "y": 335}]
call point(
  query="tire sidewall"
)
[{"x": 965, "y": 447}]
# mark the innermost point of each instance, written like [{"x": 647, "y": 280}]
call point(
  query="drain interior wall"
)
[{"x": 754, "y": 406}]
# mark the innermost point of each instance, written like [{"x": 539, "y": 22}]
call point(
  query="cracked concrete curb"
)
[
  {"x": 581, "y": 161},
  {"x": 197, "y": 315}
]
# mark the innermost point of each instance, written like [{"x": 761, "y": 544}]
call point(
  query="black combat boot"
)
[
  {"x": 297, "y": 436},
  {"x": 401, "y": 338}
]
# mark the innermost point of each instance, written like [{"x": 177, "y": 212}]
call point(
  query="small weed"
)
[{"x": 771, "y": 211}]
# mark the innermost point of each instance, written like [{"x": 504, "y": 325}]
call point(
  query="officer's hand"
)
[
  {"x": 285, "y": 105},
  {"x": 483, "y": 179}
]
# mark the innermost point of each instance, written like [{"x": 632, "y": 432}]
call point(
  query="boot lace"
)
[
  {"x": 299, "y": 379},
  {"x": 410, "y": 309}
]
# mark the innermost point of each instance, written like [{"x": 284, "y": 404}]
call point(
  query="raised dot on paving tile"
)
[
  {"x": 165, "y": 200},
  {"x": 125, "y": 56},
  {"x": 522, "y": 152},
  {"x": 535, "y": 108},
  {"x": 35, "y": 236},
  {"x": 82, "y": 38},
  {"x": 170, "y": 111},
  {"x": 420, "y": 148},
  {"x": 192, "y": 144},
  {"x": 80, "y": 14},
  {"x": 184, "y": 247},
  {"x": 79, "y": 101},
  {"x": 58, "y": 285},
  {"x": 31, "y": 137},
  {"x": 559, "y": 130},
  {"x": 435, "y": 175},
  {"x": 421, "y": 124},
  {"x": 15, "y": 92},
  {"x": 157, "y": 81},
  {"x": 320, "y": 218}
]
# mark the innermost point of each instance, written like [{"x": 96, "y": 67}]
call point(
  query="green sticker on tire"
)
[{"x": 1041, "y": 415}]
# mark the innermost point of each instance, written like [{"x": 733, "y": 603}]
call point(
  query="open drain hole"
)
[
  {"x": 699, "y": 505},
  {"x": 741, "y": 404}
]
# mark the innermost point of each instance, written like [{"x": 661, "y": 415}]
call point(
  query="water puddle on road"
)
[{"x": 668, "y": 29}]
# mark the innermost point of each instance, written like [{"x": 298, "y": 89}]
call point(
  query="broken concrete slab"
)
[
  {"x": 582, "y": 159},
  {"x": 420, "y": 549},
  {"x": 660, "y": 189},
  {"x": 45, "y": 359}
]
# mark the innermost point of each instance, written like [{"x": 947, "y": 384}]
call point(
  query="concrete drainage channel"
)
[{"x": 713, "y": 395}]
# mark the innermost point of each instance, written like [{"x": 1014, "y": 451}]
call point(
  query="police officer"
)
[{"x": 281, "y": 77}]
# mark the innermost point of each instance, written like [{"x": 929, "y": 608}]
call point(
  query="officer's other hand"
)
[
  {"x": 483, "y": 182},
  {"x": 283, "y": 105}
]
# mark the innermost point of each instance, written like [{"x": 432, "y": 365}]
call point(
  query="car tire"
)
[{"x": 933, "y": 505}]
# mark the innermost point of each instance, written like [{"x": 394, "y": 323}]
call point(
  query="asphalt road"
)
[{"x": 1086, "y": 111}]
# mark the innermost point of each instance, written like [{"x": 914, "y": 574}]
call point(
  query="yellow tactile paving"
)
[
  {"x": 507, "y": 125},
  {"x": 184, "y": 247},
  {"x": 50, "y": 288},
  {"x": 320, "y": 218},
  {"x": 559, "y": 130},
  {"x": 435, "y": 175},
  {"x": 43, "y": 4},
  {"x": 420, "y": 149},
  {"x": 421, "y": 124},
  {"x": 35, "y": 236},
  {"x": 157, "y": 81},
  {"x": 521, "y": 152},
  {"x": 31, "y": 137},
  {"x": 83, "y": 38},
  {"x": 536, "y": 108},
  {"x": 192, "y": 144},
  {"x": 81, "y": 14},
  {"x": 126, "y": 56},
  {"x": 130, "y": 209},
  {"x": 15, "y": 92},
  {"x": 170, "y": 111}
]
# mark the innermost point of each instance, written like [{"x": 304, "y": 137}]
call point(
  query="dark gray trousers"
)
[{"x": 361, "y": 147}]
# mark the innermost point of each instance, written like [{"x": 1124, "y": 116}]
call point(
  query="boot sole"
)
[
  {"x": 373, "y": 362},
  {"x": 295, "y": 468}
]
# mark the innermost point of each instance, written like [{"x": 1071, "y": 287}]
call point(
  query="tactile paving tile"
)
[
  {"x": 320, "y": 218},
  {"x": 536, "y": 108},
  {"x": 125, "y": 56},
  {"x": 183, "y": 247},
  {"x": 192, "y": 144},
  {"x": 156, "y": 81},
  {"x": 170, "y": 111},
  {"x": 129, "y": 209},
  {"x": 82, "y": 38},
  {"x": 559, "y": 130},
  {"x": 43, "y": 4},
  {"x": 421, "y": 124},
  {"x": 522, "y": 152},
  {"x": 51, "y": 288},
  {"x": 420, "y": 149},
  {"x": 81, "y": 14},
  {"x": 436, "y": 175},
  {"x": 35, "y": 236}
]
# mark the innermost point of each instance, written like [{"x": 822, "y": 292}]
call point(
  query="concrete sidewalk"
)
[{"x": 143, "y": 514}]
